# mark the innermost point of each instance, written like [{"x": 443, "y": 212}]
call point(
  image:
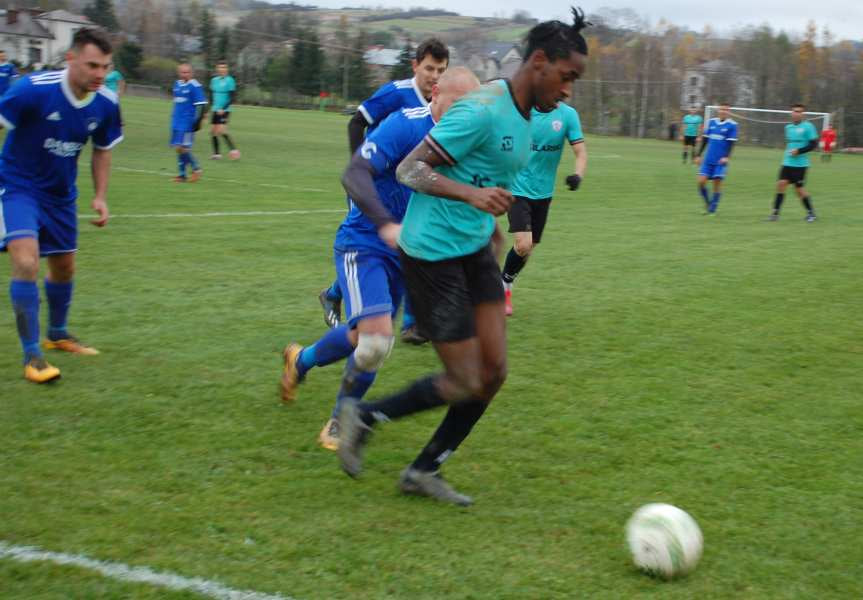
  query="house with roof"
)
[
  {"x": 494, "y": 60},
  {"x": 32, "y": 36},
  {"x": 716, "y": 81}
]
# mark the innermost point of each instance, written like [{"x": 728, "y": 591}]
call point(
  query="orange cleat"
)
[
  {"x": 179, "y": 179},
  {"x": 290, "y": 376},
  {"x": 70, "y": 344},
  {"x": 38, "y": 370},
  {"x": 508, "y": 302},
  {"x": 195, "y": 176}
]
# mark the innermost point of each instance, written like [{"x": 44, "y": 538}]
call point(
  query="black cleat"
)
[
  {"x": 353, "y": 435},
  {"x": 773, "y": 217},
  {"x": 411, "y": 335},
  {"x": 811, "y": 218},
  {"x": 431, "y": 484},
  {"x": 332, "y": 310}
]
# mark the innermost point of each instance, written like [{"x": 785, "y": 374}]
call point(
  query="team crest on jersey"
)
[
  {"x": 557, "y": 125},
  {"x": 368, "y": 149},
  {"x": 506, "y": 143},
  {"x": 92, "y": 124}
]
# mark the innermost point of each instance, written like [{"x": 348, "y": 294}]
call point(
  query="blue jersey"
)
[
  {"x": 385, "y": 148},
  {"x": 7, "y": 73},
  {"x": 721, "y": 135},
  {"x": 187, "y": 97},
  {"x": 389, "y": 98},
  {"x": 48, "y": 126}
]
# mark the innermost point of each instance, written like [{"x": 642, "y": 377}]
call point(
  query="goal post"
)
[{"x": 764, "y": 126}]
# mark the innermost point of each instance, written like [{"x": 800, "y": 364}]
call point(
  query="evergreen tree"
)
[
  {"x": 359, "y": 77},
  {"x": 129, "y": 57},
  {"x": 307, "y": 63},
  {"x": 223, "y": 44},
  {"x": 101, "y": 12},
  {"x": 208, "y": 35},
  {"x": 404, "y": 69}
]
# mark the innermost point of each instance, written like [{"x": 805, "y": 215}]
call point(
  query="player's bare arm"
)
[
  {"x": 579, "y": 149},
  {"x": 100, "y": 167},
  {"x": 417, "y": 171}
]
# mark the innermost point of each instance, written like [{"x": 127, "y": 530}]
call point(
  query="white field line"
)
[
  {"x": 205, "y": 587},
  {"x": 237, "y": 181},
  {"x": 248, "y": 213}
]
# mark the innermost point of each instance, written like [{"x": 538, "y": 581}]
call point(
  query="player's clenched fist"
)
[{"x": 492, "y": 200}]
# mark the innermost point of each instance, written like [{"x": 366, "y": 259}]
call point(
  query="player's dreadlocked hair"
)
[{"x": 557, "y": 39}]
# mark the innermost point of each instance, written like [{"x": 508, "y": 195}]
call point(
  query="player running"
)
[
  {"x": 692, "y": 128},
  {"x": 461, "y": 173},
  {"x": 223, "y": 89},
  {"x": 50, "y": 116},
  {"x": 534, "y": 186},
  {"x": 8, "y": 72},
  {"x": 365, "y": 252},
  {"x": 719, "y": 138},
  {"x": 828, "y": 141},
  {"x": 801, "y": 137},
  {"x": 190, "y": 105},
  {"x": 429, "y": 63},
  {"x": 115, "y": 82}
]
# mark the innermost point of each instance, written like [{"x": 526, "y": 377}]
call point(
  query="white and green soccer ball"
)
[{"x": 664, "y": 540}]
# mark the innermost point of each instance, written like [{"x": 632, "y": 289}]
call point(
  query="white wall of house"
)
[
  {"x": 23, "y": 49},
  {"x": 62, "y": 31}
]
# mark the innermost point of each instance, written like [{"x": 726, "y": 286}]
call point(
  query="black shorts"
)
[
  {"x": 443, "y": 293},
  {"x": 529, "y": 215},
  {"x": 220, "y": 119},
  {"x": 689, "y": 140},
  {"x": 795, "y": 175}
]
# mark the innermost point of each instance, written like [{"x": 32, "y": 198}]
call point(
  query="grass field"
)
[{"x": 655, "y": 355}]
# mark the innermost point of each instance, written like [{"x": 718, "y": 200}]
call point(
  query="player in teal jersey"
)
[
  {"x": 691, "y": 127},
  {"x": 115, "y": 82},
  {"x": 801, "y": 137},
  {"x": 461, "y": 174},
  {"x": 223, "y": 89},
  {"x": 534, "y": 186}
]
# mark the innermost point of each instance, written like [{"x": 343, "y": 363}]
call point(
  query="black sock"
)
[
  {"x": 777, "y": 203},
  {"x": 421, "y": 395},
  {"x": 513, "y": 265},
  {"x": 684, "y": 156},
  {"x": 228, "y": 139},
  {"x": 453, "y": 430},
  {"x": 215, "y": 144},
  {"x": 807, "y": 202}
]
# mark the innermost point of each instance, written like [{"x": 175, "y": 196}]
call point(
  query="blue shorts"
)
[
  {"x": 712, "y": 171},
  {"x": 371, "y": 283},
  {"x": 182, "y": 138},
  {"x": 25, "y": 214}
]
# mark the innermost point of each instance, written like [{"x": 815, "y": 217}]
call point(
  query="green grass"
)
[{"x": 655, "y": 355}]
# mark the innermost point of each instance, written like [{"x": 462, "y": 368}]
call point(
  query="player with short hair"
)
[
  {"x": 534, "y": 186},
  {"x": 190, "y": 106},
  {"x": 115, "y": 82},
  {"x": 719, "y": 137},
  {"x": 461, "y": 173},
  {"x": 691, "y": 126},
  {"x": 365, "y": 251},
  {"x": 223, "y": 90},
  {"x": 8, "y": 72},
  {"x": 828, "y": 141},
  {"x": 429, "y": 63},
  {"x": 801, "y": 137},
  {"x": 50, "y": 116}
]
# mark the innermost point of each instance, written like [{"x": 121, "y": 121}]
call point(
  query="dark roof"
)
[{"x": 24, "y": 25}]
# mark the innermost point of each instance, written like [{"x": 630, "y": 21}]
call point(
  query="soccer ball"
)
[{"x": 664, "y": 540}]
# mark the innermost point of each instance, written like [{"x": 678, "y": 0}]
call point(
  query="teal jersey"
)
[
  {"x": 691, "y": 123},
  {"x": 484, "y": 140},
  {"x": 548, "y": 131},
  {"x": 796, "y": 137},
  {"x": 113, "y": 79},
  {"x": 222, "y": 88}
]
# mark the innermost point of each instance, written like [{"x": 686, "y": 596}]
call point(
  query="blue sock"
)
[
  {"x": 715, "y": 202},
  {"x": 333, "y": 346},
  {"x": 59, "y": 297},
  {"x": 703, "y": 191},
  {"x": 25, "y": 303},
  {"x": 181, "y": 164},
  {"x": 192, "y": 162},
  {"x": 334, "y": 293},
  {"x": 355, "y": 384}
]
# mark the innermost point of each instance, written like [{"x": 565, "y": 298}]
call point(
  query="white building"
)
[
  {"x": 716, "y": 81},
  {"x": 32, "y": 36}
]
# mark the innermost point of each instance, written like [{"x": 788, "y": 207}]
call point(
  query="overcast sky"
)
[{"x": 843, "y": 17}]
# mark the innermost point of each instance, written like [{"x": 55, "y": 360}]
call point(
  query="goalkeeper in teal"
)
[
  {"x": 534, "y": 186},
  {"x": 801, "y": 137},
  {"x": 461, "y": 174},
  {"x": 223, "y": 89},
  {"x": 692, "y": 126}
]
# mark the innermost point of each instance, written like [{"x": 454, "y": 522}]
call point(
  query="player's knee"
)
[
  {"x": 25, "y": 267},
  {"x": 372, "y": 350},
  {"x": 493, "y": 377},
  {"x": 523, "y": 247}
]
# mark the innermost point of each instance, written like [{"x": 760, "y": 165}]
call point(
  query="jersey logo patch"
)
[
  {"x": 368, "y": 149},
  {"x": 557, "y": 125},
  {"x": 506, "y": 143},
  {"x": 54, "y": 116},
  {"x": 92, "y": 123}
]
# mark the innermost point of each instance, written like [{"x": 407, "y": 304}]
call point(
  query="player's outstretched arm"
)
[
  {"x": 579, "y": 149},
  {"x": 101, "y": 168},
  {"x": 417, "y": 172}
]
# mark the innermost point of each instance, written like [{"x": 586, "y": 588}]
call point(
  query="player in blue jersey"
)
[
  {"x": 50, "y": 116},
  {"x": 801, "y": 137},
  {"x": 719, "y": 137},
  {"x": 461, "y": 174},
  {"x": 534, "y": 186},
  {"x": 365, "y": 254},
  {"x": 223, "y": 89},
  {"x": 430, "y": 61},
  {"x": 190, "y": 106},
  {"x": 691, "y": 127},
  {"x": 7, "y": 73}
]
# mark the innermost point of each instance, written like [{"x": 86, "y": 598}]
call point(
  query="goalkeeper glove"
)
[{"x": 573, "y": 181}]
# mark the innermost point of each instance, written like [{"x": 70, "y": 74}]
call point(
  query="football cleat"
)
[
  {"x": 196, "y": 175},
  {"x": 216, "y": 157},
  {"x": 179, "y": 179},
  {"x": 411, "y": 335},
  {"x": 431, "y": 484},
  {"x": 811, "y": 218},
  {"x": 353, "y": 435},
  {"x": 332, "y": 310},
  {"x": 507, "y": 302},
  {"x": 70, "y": 344},
  {"x": 773, "y": 217},
  {"x": 290, "y": 376},
  {"x": 234, "y": 154},
  {"x": 329, "y": 436},
  {"x": 38, "y": 370}
]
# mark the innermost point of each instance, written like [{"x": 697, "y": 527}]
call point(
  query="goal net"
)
[{"x": 763, "y": 126}]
